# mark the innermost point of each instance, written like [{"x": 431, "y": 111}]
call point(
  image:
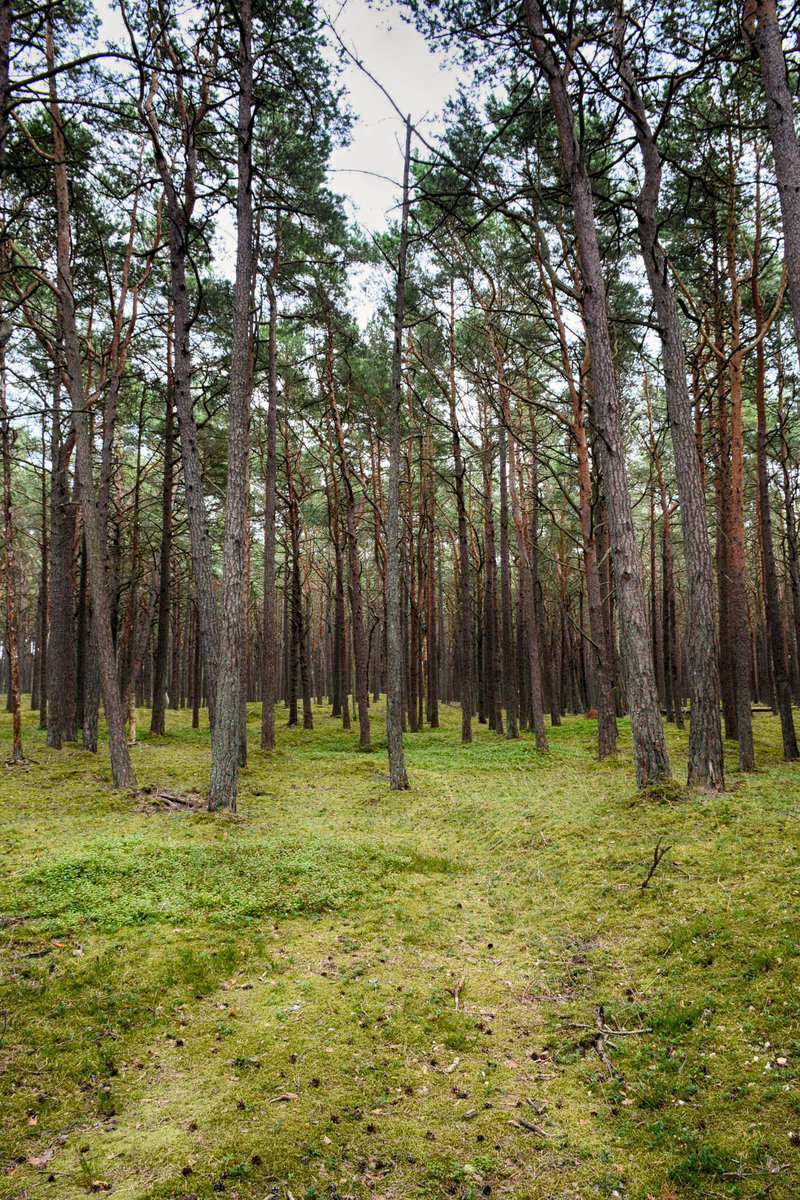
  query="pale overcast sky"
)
[
  {"x": 398, "y": 56},
  {"x": 369, "y": 170},
  {"x": 417, "y": 80}
]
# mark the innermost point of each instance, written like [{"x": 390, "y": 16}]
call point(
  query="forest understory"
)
[{"x": 342, "y": 991}]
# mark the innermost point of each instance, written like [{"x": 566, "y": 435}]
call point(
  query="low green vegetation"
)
[{"x": 341, "y": 992}]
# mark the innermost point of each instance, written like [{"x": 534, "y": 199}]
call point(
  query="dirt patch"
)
[{"x": 159, "y": 800}]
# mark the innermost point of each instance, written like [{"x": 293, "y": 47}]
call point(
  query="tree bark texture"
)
[
  {"x": 706, "y": 765},
  {"x": 226, "y": 731},
  {"x": 650, "y": 751},
  {"x": 398, "y": 779},
  {"x": 121, "y": 769}
]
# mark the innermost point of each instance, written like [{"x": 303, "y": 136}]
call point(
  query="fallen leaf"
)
[
  {"x": 284, "y": 1096},
  {"x": 42, "y": 1158}
]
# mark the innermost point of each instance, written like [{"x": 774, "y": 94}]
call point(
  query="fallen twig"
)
[
  {"x": 658, "y": 853},
  {"x": 600, "y": 1045},
  {"x": 608, "y": 1032},
  {"x": 521, "y": 1123},
  {"x": 455, "y": 992}
]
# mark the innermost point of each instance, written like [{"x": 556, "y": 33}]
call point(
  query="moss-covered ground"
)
[{"x": 342, "y": 992}]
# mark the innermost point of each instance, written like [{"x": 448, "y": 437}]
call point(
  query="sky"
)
[
  {"x": 368, "y": 171},
  {"x": 417, "y": 79}
]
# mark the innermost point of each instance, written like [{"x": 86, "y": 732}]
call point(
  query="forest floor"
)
[{"x": 342, "y": 992}]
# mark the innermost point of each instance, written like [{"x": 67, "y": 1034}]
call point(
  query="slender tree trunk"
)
[
  {"x": 353, "y": 558},
  {"x": 161, "y": 662},
  {"x": 175, "y": 637},
  {"x": 44, "y": 597},
  {"x": 394, "y": 695},
  {"x": 344, "y": 646},
  {"x": 357, "y": 619},
  {"x": 127, "y": 657},
  {"x": 431, "y": 616},
  {"x": 304, "y": 625},
  {"x": 180, "y": 213},
  {"x": 121, "y": 769},
  {"x": 539, "y": 616},
  {"x": 6, "y": 26},
  {"x": 656, "y": 627},
  {"x": 269, "y": 696},
  {"x": 650, "y": 752},
  {"x": 10, "y": 564},
  {"x": 61, "y": 686},
  {"x": 735, "y": 558},
  {"x": 509, "y": 674},
  {"x": 719, "y": 436},
  {"x": 527, "y": 586},
  {"x": 792, "y": 555},
  {"x": 464, "y": 623},
  {"x": 339, "y": 630},
  {"x": 705, "y": 738},
  {"x": 783, "y": 135},
  {"x": 602, "y": 659},
  {"x": 783, "y": 691},
  {"x": 226, "y": 730},
  {"x": 197, "y": 666},
  {"x": 491, "y": 631}
]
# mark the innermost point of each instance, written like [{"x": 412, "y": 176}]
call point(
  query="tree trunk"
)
[
  {"x": 10, "y": 564},
  {"x": 464, "y": 624},
  {"x": 792, "y": 555},
  {"x": 650, "y": 752},
  {"x": 197, "y": 668},
  {"x": 161, "y": 662},
  {"x": 785, "y": 149},
  {"x": 61, "y": 684},
  {"x": 740, "y": 637},
  {"x": 180, "y": 212},
  {"x": 431, "y": 615},
  {"x": 269, "y": 696},
  {"x": 528, "y": 586},
  {"x": 509, "y": 674},
  {"x": 6, "y": 25},
  {"x": 44, "y": 598},
  {"x": 545, "y": 673},
  {"x": 491, "y": 631},
  {"x": 121, "y": 768},
  {"x": 706, "y": 765},
  {"x": 783, "y": 692},
  {"x": 226, "y": 730},
  {"x": 398, "y": 779},
  {"x": 353, "y": 558}
]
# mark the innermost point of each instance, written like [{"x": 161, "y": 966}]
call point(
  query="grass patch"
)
[
  {"x": 114, "y": 882},
  {"x": 194, "y": 1006}
]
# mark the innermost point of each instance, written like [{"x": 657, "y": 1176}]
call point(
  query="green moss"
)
[{"x": 270, "y": 1002}]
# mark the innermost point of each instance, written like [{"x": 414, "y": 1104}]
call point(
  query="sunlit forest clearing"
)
[{"x": 343, "y": 991}]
